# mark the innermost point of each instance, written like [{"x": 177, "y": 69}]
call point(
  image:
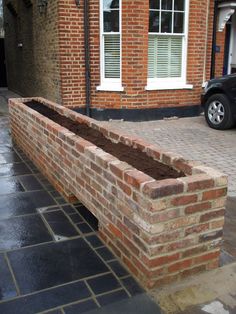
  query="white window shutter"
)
[
  {"x": 176, "y": 47},
  {"x": 152, "y": 57},
  {"x": 112, "y": 56},
  {"x": 165, "y": 56}
]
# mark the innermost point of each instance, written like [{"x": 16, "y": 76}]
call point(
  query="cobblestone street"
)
[{"x": 193, "y": 139}]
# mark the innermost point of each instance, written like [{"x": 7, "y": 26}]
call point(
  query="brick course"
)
[{"x": 161, "y": 230}]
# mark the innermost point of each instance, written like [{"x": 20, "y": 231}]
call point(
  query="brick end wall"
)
[{"x": 161, "y": 230}]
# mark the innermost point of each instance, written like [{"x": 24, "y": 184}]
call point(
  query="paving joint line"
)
[{"x": 12, "y": 274}]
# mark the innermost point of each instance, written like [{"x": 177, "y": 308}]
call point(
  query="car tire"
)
[{"x": 218, "y": 112}]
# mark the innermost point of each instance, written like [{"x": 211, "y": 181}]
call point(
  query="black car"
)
[{"x": 219, "y": 102}]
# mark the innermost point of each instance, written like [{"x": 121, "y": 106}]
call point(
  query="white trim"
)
[
  {"x": 106, "y": 81},
  {"x": 153, "y": 83},
  {"x": 165, "y": 86},
  {"x": 110, "y": 87},
  {"x": 185, "y": 50},
  {"x": 227, "y": 4},
  {"x": 204, "y": 84},
  {"x": 224, "y": 16}
]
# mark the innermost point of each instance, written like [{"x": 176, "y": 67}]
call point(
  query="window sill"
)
[
  {"x": 158, "y": 86},
  {"x": 111, "y": 88}
]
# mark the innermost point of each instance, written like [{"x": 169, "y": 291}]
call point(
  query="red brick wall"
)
[
  {"x": 135, "y": 15},
  {"x": 71, "y": 50}
]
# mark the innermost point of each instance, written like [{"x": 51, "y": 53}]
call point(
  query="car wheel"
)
[{"x": 218, "y": 112}]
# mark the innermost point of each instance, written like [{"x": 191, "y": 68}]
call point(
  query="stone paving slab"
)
[{"x": 193, "y": 139}]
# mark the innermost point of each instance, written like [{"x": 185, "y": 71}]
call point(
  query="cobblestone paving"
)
[{"x": 193, "y": 139}]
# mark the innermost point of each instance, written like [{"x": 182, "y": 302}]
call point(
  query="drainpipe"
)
[
  {"x": 87, "y": 54},
  {"x": 213, "y": 52}
]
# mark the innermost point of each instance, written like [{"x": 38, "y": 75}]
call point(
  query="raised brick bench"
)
[{"x": 161, "y": 230}]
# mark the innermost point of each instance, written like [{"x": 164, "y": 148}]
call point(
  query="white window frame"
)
[
  {"x": 179, "y": 82},
  {"x": 109, "y": 84}
]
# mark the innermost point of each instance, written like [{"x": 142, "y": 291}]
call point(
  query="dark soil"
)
[{"x": 132, "y": 156}]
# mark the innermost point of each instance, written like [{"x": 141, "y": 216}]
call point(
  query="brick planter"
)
[{"x": 161, "y": 230}]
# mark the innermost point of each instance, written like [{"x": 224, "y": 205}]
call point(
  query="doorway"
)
[{"x": 3, "y": 75}]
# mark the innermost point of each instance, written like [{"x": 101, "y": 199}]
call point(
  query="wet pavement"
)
[{"x": 51, "y": 259}]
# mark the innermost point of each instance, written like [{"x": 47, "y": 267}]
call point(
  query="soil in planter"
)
[{"x": 132, "y": 156}]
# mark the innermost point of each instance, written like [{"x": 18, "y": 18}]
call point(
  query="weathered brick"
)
[
  {"x": 197, "y": 229},
  {"x": 124, "y": 187},
  {"x": 136, "y": 178},
  {"x": 180, "y": 266},
  {"x": 198, "y": 182},
  {"x": 159, "y": 261},
  {"x": 206, "y": 257},
  {"x": 184, "y": 200},
  {"x": 118, "y": 168},
  {"x": 81, "y": 144},
  {"x": 196, "y": 208},
  {"x": 131, "y": 226},
  {"x": 214, "y": 194},
  {"x": 163, "y": 188},
  {"x": 195, "y": 251},
  {"x": 212, "y": 215},
  {"x": 210, "y": 236}
]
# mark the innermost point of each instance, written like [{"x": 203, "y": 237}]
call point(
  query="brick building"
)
[{"x": 144, "y": 59}]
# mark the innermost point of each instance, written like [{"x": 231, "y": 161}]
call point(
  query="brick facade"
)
[
  {"x": 51, "y": 62},
  {"x": 134, "y": 59},
  {"x": 161, "y": 230}
]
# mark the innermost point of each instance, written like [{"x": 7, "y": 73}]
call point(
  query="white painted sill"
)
[
  {"x": 159, "y": 86},
  {"x": 110, "y": 88}
]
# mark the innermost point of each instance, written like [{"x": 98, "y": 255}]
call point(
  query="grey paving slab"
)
[
  {"x": 19, "y": 232},
  {"x": 53, "y": 264},
  {"x": 60, "y": 224},
  {"x": 7, "y": 286},
  {"x": 46, "y": 300}
]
